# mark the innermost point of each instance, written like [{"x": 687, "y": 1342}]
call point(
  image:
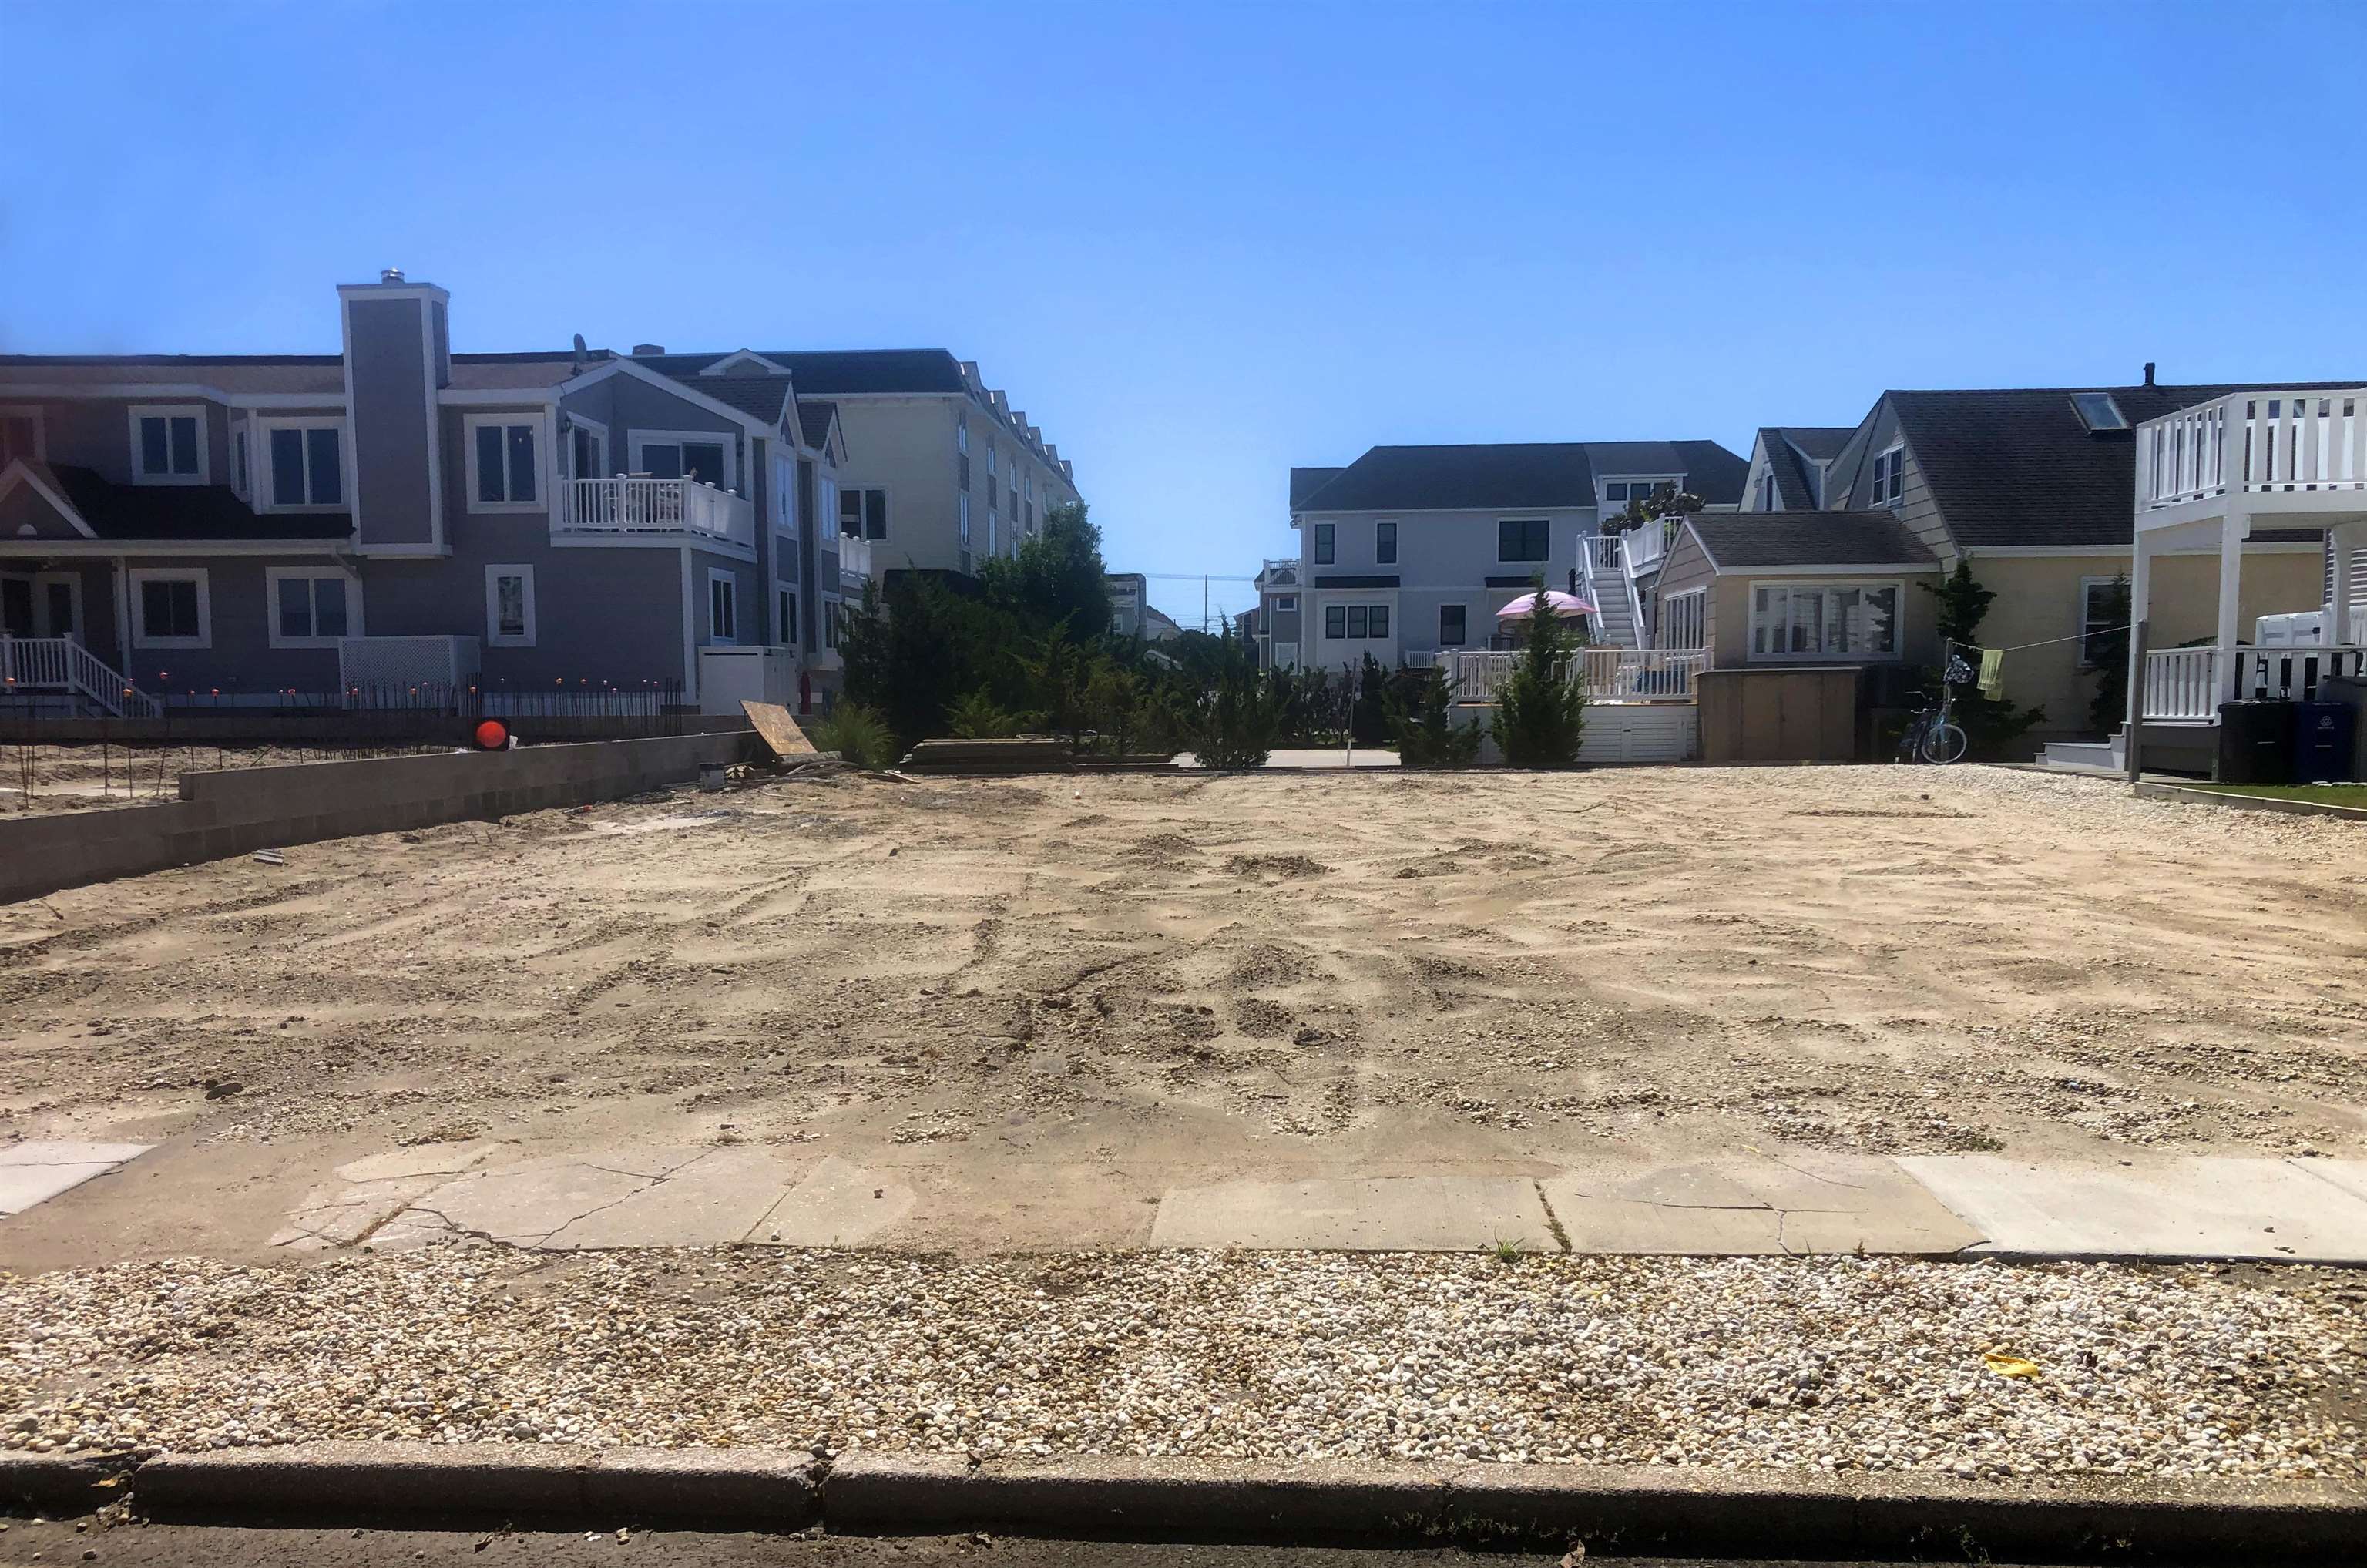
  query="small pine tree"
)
[
  {"x": 976, "y": 717},
  {"x": 1426, "y": 735},
  {"x": 1541, "y": 709},
  {"x": 1962, "y": 605},
  {"x": 2108, "y": 652},
  {"x": 1239, "y": 716}
]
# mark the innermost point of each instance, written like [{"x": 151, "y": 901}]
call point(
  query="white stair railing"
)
[{"x": 63, "y": 665}]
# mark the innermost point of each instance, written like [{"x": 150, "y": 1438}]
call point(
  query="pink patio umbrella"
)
[{"x": 1563, "y": 606}]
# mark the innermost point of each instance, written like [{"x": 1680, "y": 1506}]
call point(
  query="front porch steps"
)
[{"x": 2113, "y": 754}]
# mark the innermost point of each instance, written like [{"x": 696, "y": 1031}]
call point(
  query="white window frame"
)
[
  {"x": 566, "y": 455},
  {"x": 494, "y": 636},
  {"x": 1813, "y": 656},
  {"x": 1323, "y": 544},
  {"x": 268, "y": 490},
  {"x": 720, "y": 577},
  {"x": 1890, "y": 474},
  {"x": 242, "y": 460},
  {"x": 644, "y": 439},
  {"x": 886, "y": 511},
  {"x": 1397, "y": 540},
  {"x": 2080, "y": 613},
  {"x": 135, "y": 581},
  {"x": 784, "y": 495},
  {"x": 1464, "y": 641},
  {"x": 1650, "y": 481},
  {"x": 273, "y": 575},
  {"x": 833, "y": 621},
  {"x": 1285, "y": 604},
  {"x": 170, "y": 411},
  {"x": 531, "y": 420},
  {"x": 40, "y": 452},
  {"x": 784, "y": 613},
  {"x": 1537, "y": 560},
  {"x": 1689, "y": 609},
  {"x": 1767, "y": 491},
  {"x": 961, "y": 435}
]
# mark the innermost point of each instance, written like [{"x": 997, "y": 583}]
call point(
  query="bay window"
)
[{"x": 1806, "y": 620}]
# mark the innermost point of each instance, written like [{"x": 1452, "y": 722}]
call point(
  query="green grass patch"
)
[{"x": 2322, "y": 794}]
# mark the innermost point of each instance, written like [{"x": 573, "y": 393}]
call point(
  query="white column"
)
[
  {"x": 2140, "y": 598},
  {"x": 2232, "y": 529},
  {"x": 2344, "y": 540}
]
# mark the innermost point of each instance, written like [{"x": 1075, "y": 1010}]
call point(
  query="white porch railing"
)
[
  {"x": 853, "y": 559},
  {"x": 632, "y": 506},
  {"x": 1662, "y": 674},
  {"x": 2253, "y": 441},
  {"x": 2185, "y": 685},
  {"x": 63, "y": 666}
]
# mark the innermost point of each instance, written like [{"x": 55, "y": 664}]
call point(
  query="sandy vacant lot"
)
[{"x": 1042, "y": 1003}]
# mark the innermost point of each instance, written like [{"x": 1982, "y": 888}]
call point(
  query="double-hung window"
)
[
  {"x": 587, "y": 451},
  {"x": 1806, "y": 620},
  {"x": 1454, "y": 624},
  {"x": 1889, "y": 476},
  {"x": 1323, "y": 544},
  {"x": 312, "y": 607},
  {"x": 1285, "y": 604},
  {"x": 509, "y": 606},
  {"x": 786, "y": 630},
  {"x": 306, "y": 464},
  {"x": 170, "y": 608},
  {"x": 504, "y": 472},
  {"x": 2103, "y": 616},
  {"x": 1767, "y": 493},
  {"x": 1523, "y": 538},
  {"x": 1385, "y": 543},
  {"x": 785, "y": 496},
  {"x": 168, "y": 443},
  {"x": 722, "y": 606}
]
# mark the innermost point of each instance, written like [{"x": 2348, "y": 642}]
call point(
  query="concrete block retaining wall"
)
[{"x": 242, "y": 809}]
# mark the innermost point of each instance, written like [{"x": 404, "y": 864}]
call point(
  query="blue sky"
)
[{"x": 1199, "y": 243}]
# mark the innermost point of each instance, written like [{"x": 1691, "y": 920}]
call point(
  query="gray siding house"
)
[
  {"x": 1410, "y": 551},
  {"x": 239, "y": 527}
]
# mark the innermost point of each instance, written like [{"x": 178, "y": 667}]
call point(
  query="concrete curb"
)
[
  {"x": 2241, "y": 803},
  {"x": 747, "y": 1488},
  {"x": 1627, "y": 1508},
  {"x": 63, "y": 1483}
]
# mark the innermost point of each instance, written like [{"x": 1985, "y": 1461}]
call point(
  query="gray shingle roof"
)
[
  {"x": 1305, "y": 481},
  {"x": 1809, "y": 539},
  {"x": 185, "y": 512},
  {"x": 230, "y": 372},
  {"x": 1786, "y": 445},
  {"x": 814, "y": 416},
  {"x": 834, "y": 372},
  {"x": 1500, "y": 476},
  {"x": 2018, "y": 467}
]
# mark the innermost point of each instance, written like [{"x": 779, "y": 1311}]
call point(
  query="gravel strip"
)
[{"x": 1832, "y": 1363}]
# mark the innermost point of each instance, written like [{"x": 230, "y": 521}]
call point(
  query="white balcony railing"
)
[
  {"x": 639, "y": 506},
  {"x": 2185, "y": 685},
  {"x": 1611, "y": 674},
  {"x": 853, "y": 559},
  {"x": 2254, "y": 442}
]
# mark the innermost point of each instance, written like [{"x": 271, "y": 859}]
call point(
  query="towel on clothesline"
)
[{"x": 1993, "y": 674}]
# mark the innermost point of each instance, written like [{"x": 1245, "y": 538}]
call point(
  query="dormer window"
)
[
  {"x": 168, "y": 444},
  {"x": 2099, "y": 412},
  {"x": 1890, "y": 476}
]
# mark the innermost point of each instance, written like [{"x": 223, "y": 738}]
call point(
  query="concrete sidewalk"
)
[{"x": 1804, "y": 1203}]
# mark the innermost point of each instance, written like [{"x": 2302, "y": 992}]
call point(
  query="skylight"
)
[{"x": 2099, "y": 411}]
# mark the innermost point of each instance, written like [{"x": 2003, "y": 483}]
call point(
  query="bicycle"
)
[{"x": 1932, "y": 736}]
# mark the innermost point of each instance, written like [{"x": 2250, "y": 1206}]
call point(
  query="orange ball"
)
[{"x": 492, "y": 735}]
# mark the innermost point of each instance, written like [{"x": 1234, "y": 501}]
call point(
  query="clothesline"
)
[{"x": 2046, "y": 643}]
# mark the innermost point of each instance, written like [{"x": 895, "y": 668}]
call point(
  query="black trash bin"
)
[
  {"x": 2256, "y": 742},
  {"x": 2322, "y": 741}
]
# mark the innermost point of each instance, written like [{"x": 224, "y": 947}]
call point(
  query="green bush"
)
[
  {"x": 1426, "y": 735},
  {"x": 858, "y": 733},
  {"x": 976, "y": 717},
  {"x": 1540, "y": 716},
  {"x": 1239, "y": 717}
]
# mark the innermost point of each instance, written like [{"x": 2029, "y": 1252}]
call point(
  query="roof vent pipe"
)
[
  {"x": 2148, "y": 372},
  {"x": 642, "y": 348}
]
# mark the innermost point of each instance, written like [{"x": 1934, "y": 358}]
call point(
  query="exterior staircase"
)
[
  {"x": 1611, "y": 588},
  {"x": 60, "y": 676}
]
